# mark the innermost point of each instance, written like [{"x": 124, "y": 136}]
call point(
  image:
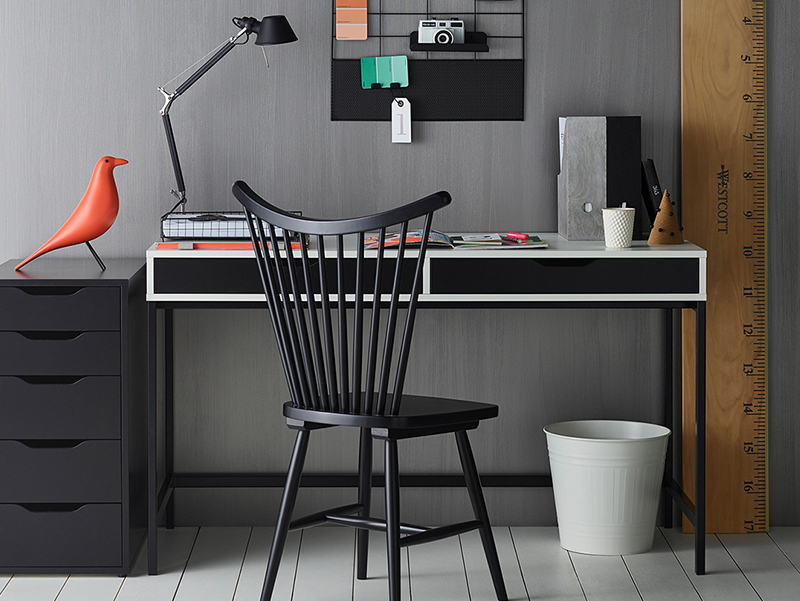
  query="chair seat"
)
[{"x": 416, "y": 412}]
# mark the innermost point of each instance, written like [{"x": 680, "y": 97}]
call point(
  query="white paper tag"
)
[{"x": 401, "y": 121}]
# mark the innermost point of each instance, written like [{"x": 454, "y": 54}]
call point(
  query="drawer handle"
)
[
  {"x": 42, "y": 380},
  {"x": 51, "y": 507},
  {"x": 60, "y": 443},
  {"x": 51, "y": 290},
  {"x": 564, "y": 262},
  {"x": 50, "y": 335}
]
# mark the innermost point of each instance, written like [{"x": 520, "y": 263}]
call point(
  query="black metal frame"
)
[
  {"x": 441, "y": 89},
  {"x": 161, "y": 497}
]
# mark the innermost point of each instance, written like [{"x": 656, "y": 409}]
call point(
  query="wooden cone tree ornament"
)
[{"x": 665, "y": 228}]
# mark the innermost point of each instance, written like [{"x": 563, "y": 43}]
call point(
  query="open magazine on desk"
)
[{"x": 460, "y": 241}]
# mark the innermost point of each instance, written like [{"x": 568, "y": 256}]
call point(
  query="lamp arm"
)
[
  {"x": 180, "y": 193},
  {"x": 226, "y": 47}
]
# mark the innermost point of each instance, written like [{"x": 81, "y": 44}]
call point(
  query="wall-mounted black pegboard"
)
[{"x": 443, "y": 85}]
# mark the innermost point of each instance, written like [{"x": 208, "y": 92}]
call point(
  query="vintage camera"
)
[{"x": 441, "y": 31}]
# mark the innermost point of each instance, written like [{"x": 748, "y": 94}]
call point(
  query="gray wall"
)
[{"x": 79, "y": 81}]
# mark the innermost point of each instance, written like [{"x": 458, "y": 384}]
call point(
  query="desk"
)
[{"x": 565, "y": 275}]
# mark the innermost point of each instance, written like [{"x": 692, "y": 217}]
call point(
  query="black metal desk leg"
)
[
  {"x": 152, "y": 433},
  {"x": 169, "y": 413},
  {"x": 700, "y": 440},
  {"x": 669, "y": 407}
]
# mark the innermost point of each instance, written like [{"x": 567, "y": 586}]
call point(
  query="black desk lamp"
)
[{"x": 270, "y": 30}]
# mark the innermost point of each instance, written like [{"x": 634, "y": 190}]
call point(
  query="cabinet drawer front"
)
[
  {"x": 525, "y": 275},
  {"x": 60, "y": 536},
  {"x": 77, "y": 408},
  {"x": 60, "y": 471},
  {"x": 47, "y": 354},
  {"x": 46, "y": 308}
]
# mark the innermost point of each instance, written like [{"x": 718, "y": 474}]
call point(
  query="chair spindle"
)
[
  {"x": 405, "y": 346},
  {"x": 358, "y": 326},
  {"x": 341, "y": 304},
  {"x": 369, "y": 385},
  {"x": 388, "y": 346}
]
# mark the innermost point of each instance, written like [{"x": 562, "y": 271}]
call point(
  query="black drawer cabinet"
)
[{"x": 73, "y": 416}]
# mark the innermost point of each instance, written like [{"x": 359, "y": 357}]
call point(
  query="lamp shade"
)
[{"x": 274, "y": 30}]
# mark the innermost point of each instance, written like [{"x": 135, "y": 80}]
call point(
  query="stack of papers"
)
[{"x": 491, "y": 241}]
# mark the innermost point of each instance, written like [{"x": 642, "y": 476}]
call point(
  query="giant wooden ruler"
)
[{"x": 724, "y": 203}]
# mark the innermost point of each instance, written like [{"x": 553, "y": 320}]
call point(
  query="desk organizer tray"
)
[
  {"x": 230, "y": 225},
  {"x": 192, "y": 226}
]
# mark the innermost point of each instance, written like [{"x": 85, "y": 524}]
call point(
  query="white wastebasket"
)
[{"x": 607, "y": 478}]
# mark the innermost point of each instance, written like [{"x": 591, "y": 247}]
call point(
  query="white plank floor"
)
[{"x": 218, "y": 564}]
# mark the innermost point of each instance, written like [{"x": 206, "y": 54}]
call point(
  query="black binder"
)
[{"x": 651, "y": 190}]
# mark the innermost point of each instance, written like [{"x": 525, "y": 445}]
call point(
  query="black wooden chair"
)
[{"x": 340, "y": 375}]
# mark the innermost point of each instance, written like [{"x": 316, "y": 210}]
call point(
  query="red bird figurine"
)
[{"x": 94, "y": 214}]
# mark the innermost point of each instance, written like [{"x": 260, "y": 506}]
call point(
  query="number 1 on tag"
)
[{"x": 401, "y": 121}]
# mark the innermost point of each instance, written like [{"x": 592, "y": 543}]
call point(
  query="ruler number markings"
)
[
  {"x": 754, "y": 254},
  {"x": 734, "y": 168}
]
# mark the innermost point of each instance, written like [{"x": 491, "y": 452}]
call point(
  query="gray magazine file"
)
[{"x": 600, "y": 166}]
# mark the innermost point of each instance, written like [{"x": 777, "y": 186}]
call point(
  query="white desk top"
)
[{"x": 557, "y": 247}]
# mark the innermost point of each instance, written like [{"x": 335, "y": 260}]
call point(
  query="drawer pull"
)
[
  {"x": 51, "y": 444},
  {"x": 43, "y": 380},
  {"x": 563, "y": 262},
  {"x": 51, "y": 290},
  {"x": 51, "y": 335},
  {"x": 51, "y": 507}
]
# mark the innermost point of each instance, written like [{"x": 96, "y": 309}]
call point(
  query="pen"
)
[{"x": 517, "y": 236}]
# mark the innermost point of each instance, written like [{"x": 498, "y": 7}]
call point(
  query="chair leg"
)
[
  {"x": 364, "y": 498},
  {"x": 479, "y": 507},
  {"x": 392, "y": 485},
  {"x": 285, "y": 512}
]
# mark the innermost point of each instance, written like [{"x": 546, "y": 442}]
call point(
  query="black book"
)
[{"x": 651, "y": 190}]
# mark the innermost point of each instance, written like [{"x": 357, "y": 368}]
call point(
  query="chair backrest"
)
[{"x": 328, "y": 365}]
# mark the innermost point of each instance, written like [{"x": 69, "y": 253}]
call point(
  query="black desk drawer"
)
[
  {"x": 60, "y": 536},
  {"x": 240, "y": 276},
  {"x": 51, "y": 308},
  {"x": 526, "y": 275},
  {"x": 60, "y": 471},
  {"x": 77, "y": 408},
  {"x": 64, "y": 353}
]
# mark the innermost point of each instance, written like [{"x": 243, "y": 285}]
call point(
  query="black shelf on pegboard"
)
[{"x": 474, "y": 41}]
